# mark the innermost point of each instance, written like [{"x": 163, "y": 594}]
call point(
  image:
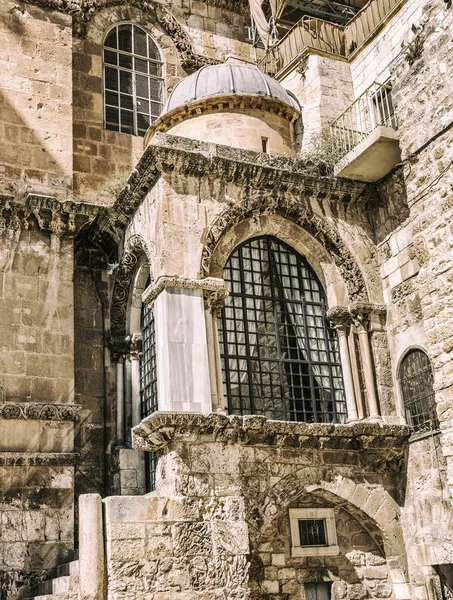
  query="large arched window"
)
[
  {"x": 416, "y": 380},
  {"x": 280, "y": 356},
  {"x": 132, "y": 80}
]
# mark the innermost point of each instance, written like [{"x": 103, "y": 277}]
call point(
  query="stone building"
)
[{"x": 226, "y": 324}]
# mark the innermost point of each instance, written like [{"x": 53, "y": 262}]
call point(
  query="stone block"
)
[
  {"x": 192, "y": 539},
  {"x": 230, "y": 537}
]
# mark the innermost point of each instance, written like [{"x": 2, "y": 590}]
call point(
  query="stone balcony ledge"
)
[{"x": 163, "y": 428}]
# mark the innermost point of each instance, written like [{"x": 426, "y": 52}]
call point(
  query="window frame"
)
[
  {"x": 133, "y": 71},
  {"x": 328, "y": 516},
  {"x": 420, "y": 430}
]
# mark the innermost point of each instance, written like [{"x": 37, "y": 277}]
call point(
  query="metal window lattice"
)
[
  {"x": 133, "y": 80},
  {"x": 416, "y": 379},
  {"x": 280, "y": 357},
  {"x": 312, "y": 532},
  {"x": 148, "y": 385}
]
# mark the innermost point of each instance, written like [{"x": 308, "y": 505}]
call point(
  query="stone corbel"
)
[
  {"x": 211, "y": 286},
  {"x": 135, "y": 342}
]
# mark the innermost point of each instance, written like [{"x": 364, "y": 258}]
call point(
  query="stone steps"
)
[{"x": 63, "y": 586}]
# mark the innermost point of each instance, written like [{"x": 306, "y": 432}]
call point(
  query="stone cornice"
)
[
  {"x": 380, "y": 446},
  {"x": 32, "y": 459},
  {"x": 211, "y": 284},
  {"x": 166, "y": 154},
  {"x": 45, "y": 213},
  {"x": 40, "y": 412}
]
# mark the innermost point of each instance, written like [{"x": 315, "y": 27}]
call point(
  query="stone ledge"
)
[
  {"x": 40, "y": 412},
  {"x": 32, "y": 459},
  {"x": 384, "y": 445}
]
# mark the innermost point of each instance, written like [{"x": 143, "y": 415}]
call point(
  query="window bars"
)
[
  {"x": 280, "y": 356},
  {"x": 312, "y": 532},
  {"x": 416, "y": 380},
  {"x": 372, "y": 108},
  {"x": 133, "y": 80}
]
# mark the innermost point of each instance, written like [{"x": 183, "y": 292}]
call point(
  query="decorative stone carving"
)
[
  {"x": 33, "y": 459},
  {"x": 135, "y": 345},
  {"x": 40, "y": 412},
  {"x": 361, "y": 313},
  {"x": 44, "y": 213},
  {"x": 161, "y": 429},
  {"x": 211, "y": 287},
  {"x": 214, "y": 300},
  {"x": 134, "y": 249}
]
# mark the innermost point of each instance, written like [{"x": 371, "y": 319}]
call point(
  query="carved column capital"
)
[
  {"x": 135, "y": 345},
  {"x": 363, "y": 313},
  {"x": 119, "y": 348},
  {"x": 340, "y": 317},
  {"x": 214, "y": 300}
]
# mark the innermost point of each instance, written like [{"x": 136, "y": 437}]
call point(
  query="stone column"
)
[
  {"x": 135, "y": 354},
  {"x": 183, "y": 375},
  {"x": 91, "y": 548},
  {"x": 361, "y": 317},
  {"x": 341, "y": 318},
  {"x": 120, "y": 399},
  {"x": 214, "y": 301}
]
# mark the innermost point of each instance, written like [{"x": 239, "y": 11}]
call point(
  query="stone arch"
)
[
  {"x": 135, "y": 256},
  {"x": 373, "y": 507},
  {"x": 322, "y": 235}
]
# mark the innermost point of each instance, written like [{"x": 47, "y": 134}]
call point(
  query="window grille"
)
[
  {"x": 133, "y": 80},
  {"x": 280, "y": 356},
  {"x": 318, "y": 591},
  {"x": 312, "y": 532},
  {"x": 148, "y": 385},
  {"x": 416, "y": 379}
]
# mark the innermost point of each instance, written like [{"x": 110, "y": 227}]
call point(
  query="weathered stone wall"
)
[{"x": 35, "y": 100}]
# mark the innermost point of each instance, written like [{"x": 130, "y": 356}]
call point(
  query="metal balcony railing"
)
[
  {"x": 340, "y": 40},
  {"x": 372, "y": 108}
]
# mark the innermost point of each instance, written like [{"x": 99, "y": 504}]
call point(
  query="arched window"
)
[
  {"x": 132, "y": 80},
  {"x": 280, "y": 356},
  {"x": 148, "y": 385},
  {"x": 416, "y": 380}
]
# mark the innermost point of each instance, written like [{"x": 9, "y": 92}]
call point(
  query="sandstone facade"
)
[{"x": 100, "y": 231}]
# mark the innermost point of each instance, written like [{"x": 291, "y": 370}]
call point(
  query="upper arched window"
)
[
  {"x": 132, "y": 80},
  {"x": 416, "y": 379},
  {"x": 280, "y": 356}
]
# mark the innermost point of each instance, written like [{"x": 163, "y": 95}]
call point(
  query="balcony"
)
[
  {"x": 317, "y": 35},
  {"x": 365, "y": 136}
]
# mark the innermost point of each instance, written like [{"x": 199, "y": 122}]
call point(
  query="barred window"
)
[
  {"x": 416, "y": 379},
  {"x": 280, "y": 355},
  {"x": 133, "y": 80},
  {"x": 312, "y": 532},
  {"x": 148, "y": 385}
]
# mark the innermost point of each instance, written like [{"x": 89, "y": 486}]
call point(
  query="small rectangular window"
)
[
  {"x": 264, "y": 141},
  {"x": 318, "y": 591},
  {"x": 312, "y": 532}
]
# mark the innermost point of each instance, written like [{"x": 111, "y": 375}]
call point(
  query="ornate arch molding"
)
[
  {"x": 252, "y": 205},
  {"x": 134, "y": 250},
  {"x": 374, "y": 508},
  {"x": 82, "y": 12}
]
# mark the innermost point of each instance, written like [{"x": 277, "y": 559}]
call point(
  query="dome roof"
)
[{"x": 225, "y": 80}]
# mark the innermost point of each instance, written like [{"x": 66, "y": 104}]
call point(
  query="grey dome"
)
[{"x": 226, "y": 79}]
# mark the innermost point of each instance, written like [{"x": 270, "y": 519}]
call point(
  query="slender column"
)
[
  {"x": 135, "y": 353},
  {"x": 355, "y": 374},
  {"x": 361, "y": 318},
  {"x": 214, "y": 301},
  {"x": 120, "y": 399},
  {"x": 91, "y": 548},
  {"x": 340, "y": 317}
]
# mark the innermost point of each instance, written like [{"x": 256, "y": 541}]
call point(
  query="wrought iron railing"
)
[
  {"x": 372, "y": 108},
  {"x": 340, "y": 40}
]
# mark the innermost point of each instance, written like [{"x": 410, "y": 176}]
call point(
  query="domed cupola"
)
[{"x": 232, "y": 104}]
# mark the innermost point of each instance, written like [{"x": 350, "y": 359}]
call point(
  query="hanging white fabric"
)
[{"x": 264, "y": 27}]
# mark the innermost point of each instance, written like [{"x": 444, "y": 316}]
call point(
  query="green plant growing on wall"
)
[
  {"x": 324, "y": 152},
  {"x": 113, "y": 186}
]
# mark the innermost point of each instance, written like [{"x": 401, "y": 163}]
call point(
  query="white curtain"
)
[{"x": 261, "y": 23}]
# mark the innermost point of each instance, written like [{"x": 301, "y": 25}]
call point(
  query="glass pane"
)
[
  {"x": 126, "y": 102},
  {"x": 140, "y": 42},
  {"x": 153, "y": 50},
  {"x": 141, "y": 86},
  {"x": 125, "y": 38},
  {"x": 111, "y": 115},
  {"x": 125, "y": 61},
  {"x": 111, "y": 78},
  {"x": 142, "y": 121},
  {"x": 143, "y": 106},
  {"x": 155, "y": 69},
  {"x": 111, "y": 98},
  {"x": 110, "y": 57},
  {"x": 156, "y": 87},
  {"x": 141, "y": 65},
  {"x": 125, "y": 82},
  {"x": 110, "y": 40}
]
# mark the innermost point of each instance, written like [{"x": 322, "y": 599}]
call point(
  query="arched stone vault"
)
[{"x": 373, "y": 507}]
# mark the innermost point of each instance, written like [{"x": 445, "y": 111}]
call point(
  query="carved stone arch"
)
[
  {"x": 134, "y": 251},
  {"x": 374, "y": 508},
  {"x": 253, "y": 205}
]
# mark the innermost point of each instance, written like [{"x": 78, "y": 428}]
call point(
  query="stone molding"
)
[
  {"x": 381, "y": 447},
  {"x": 32, "y": 459},
  {"x": 272, "y": 176},
  {"x": 357, "y": 313},
  {"x": 82, "y": 12},
  {"x": 45, "y": 213},
  {"x": 209, "y": 285},
  {"x": 34, "y": 411}
]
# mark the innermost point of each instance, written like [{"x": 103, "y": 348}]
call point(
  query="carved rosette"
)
[{"x": 33, "y": 411}]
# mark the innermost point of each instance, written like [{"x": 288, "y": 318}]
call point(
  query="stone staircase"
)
[{"x": 63, "y": 586}]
